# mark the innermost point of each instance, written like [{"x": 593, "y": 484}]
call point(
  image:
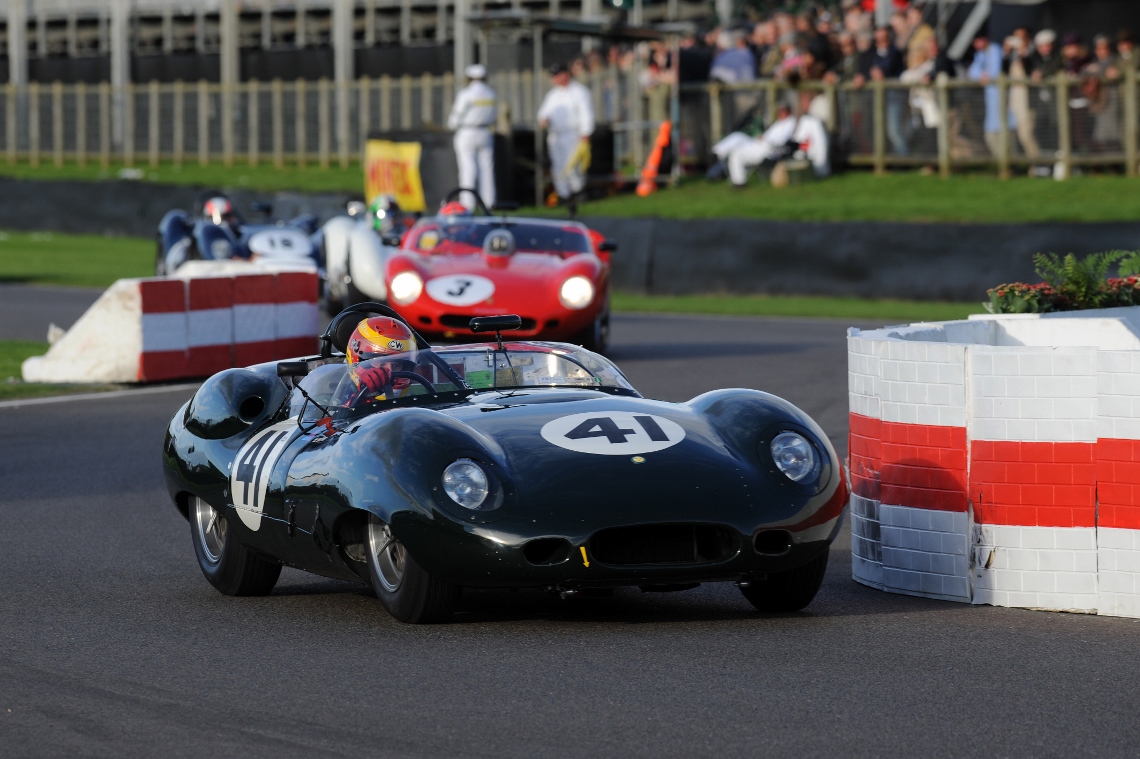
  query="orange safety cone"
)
[{"x": 648, "y": 184}]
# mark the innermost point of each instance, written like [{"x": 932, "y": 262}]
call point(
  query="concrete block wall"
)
[{"x": 1024, "y": 455}]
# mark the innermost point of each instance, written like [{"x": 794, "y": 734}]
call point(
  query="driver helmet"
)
[
  {"x": 378, "y": 336},
  {"x": 383, "y": 210},
  {"x": 454, "y": 208},
  {"x": 219, "y": 210}
]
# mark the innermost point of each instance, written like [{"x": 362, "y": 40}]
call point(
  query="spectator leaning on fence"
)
[
  {"x": 986, "y": 68},
  {"x": 884, "y": 61},
  {"x": 1017, "y": 50},
  {"x": 1043, "y": 62},
  {"x": 472, "y": 118}
]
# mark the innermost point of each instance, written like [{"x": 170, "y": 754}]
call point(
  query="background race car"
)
[
  {"x": 455, "y": 266},
  {"x": 356, "y": 248},
  {"x": 215, "y": 231}
]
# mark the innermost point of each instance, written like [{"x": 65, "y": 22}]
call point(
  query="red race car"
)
[{"x": 455, "y": 266}]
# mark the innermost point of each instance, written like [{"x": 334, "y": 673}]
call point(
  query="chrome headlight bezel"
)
[
  {"x": 795, "y": 456},
  {"x": 406, "y": 287},
  {"x": 467, "y": 484}
]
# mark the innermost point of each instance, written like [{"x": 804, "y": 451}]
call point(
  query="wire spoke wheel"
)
[
  {"x": 211, "y": 530},
  {"x": 387, "y": 555}
]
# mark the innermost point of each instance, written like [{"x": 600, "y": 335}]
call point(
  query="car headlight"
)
[
  {"x": 576, "y": 292},
  {"x": 794, "y": 456},
  {"x": 221, "y": 249},
  {"x": 406, "y": 287},
  {"x": 465, "y": 482}
]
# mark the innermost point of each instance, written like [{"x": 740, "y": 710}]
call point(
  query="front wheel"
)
[
  {"x": 407, "y": 591},
  {"x": 788, "y": 591},
  {"x": 596, "y": 337},
  {"x": 227, "y": 564}
]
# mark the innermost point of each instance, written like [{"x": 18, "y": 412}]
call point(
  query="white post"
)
[
  {"x": 462, "y": 41},
  {"x": 342, "y": 70},
  {"x": 18, "y": 42},
  {"x": 120, "y": 65},
  {"x": 228, "y": 23},
  {"x": 724, "y": 11}
]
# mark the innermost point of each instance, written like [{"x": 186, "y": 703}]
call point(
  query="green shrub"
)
[{"x": 1072, "y": 284}]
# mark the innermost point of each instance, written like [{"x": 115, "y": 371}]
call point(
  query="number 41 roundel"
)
[{"x": 613, "y": 433}]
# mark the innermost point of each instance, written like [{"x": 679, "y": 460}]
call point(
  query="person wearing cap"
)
[
  {"x": 471, "y": 119},
  {"x": 1044, "y": 62},
  {"x": 567, "y": 115}
]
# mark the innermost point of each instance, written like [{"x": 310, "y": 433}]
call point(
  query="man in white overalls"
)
[
  {"x": 471, "y": 119},
  {"x": 567, "y": 113}
]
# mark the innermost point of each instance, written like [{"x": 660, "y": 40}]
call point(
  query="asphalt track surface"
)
[{"x": 112, "y": 643}]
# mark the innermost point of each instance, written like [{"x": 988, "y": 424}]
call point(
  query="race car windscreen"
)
[
  {"x": 466, "y": 236},
  {"x": 533, "y": 365},
  {"x": 386, "y": 381}
]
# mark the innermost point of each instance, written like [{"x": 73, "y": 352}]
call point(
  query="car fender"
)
[
  {"x": 175, "y": 236},
  {"x": 208, "y": 235},
  {"x": 367, "y": 257}
]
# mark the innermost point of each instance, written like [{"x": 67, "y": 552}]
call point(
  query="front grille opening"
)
[
  {"x": 661, "y": 544},
  {"x": 457, "y": 321},
  {"x": 773, "y": 542},
  {"x": 547, "y": 551},
  {"x": 425, "y": 320},
  {"x": 551, "y": 324}
]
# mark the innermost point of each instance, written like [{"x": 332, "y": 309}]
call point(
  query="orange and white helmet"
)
[
  {"x": 219, "y": 210},
  {"x": 378, "y": 336}
]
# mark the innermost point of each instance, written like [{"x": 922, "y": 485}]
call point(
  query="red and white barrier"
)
[
  {"x": 154, "y": 329},
  {"x": 993, "y": 460}
]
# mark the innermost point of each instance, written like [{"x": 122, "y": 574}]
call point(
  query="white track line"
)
[{"x": 94, "y": 396}]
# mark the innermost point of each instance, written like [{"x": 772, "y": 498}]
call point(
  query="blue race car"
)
[{"x": 216, "y": 232}]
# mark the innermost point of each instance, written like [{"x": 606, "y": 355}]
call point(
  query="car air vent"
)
[
  {"x": 455, "y": 321},
  {"x": 546, "y": 551},
  {"x": 662, "y": 544}
]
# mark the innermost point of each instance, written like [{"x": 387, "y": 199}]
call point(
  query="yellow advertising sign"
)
[{"x": 393, "y": 168}]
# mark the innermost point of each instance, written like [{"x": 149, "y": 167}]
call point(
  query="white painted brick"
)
[
  {"x": 927, "y": 414},
  {"x": 1004, "y": 408},
  {"x": 895, "y": 349},
  {"x": 901, "y": 579},
  {"x": 929, "y": 583},
  {"x": 938, "y": 395},
  {"x": 1114, "y": 405},
  {"x": 1024, "y": 600},
  {"x": 981, "y": 362},
  {"x": 1117, "y": 582},
  {"x": 928, "y": 372},
  {"x": 1126, "y": 429},
  {"x": 1021, "y": 387},
  {"x": 1084, "y": 430},
  {"x": 1127, "y": 561},
  {"x": 1125, "y": 384},
  {"x": 1006, "y": 363},
  {"x": 1060, "y": 430},
  {"x": 1021, "y": 559},
  {"x": 1120, "y": 606},
  {"x": 954, "y": 544},
  {"x": 930, "y": 542},
  {"x": 1114, "y": 361},
  {"x": 1084, "y": 387},
  {"x": 1073, "y": 538},
  {"x": 988, "y": 429},
  {"x": 1057, "y": 561},
  {"x": 1106, "y": 383},
  {"x": 1039, "y": 582},
  {"x": 889, "y": 370},
  {"x": 907, "y": 414},
  {"x": 867, "y": 572},
  {"x": 1079, "y": 583},
  {"x": 952, "y": 416},
  {"x": 1075, "y": 362},
  {"x": 1054, "y": 387},
  {"x": 1115, "y": 537},
  {"x": 951, "y": 374},
  {"x": 1135, "y": 362},
  {"x": 917, "y": 393},
  {"x": 1037, "y": 364},
  {"x": 956, "y": 586},
  {"x": 1039, "y": 537},
  {"x": 1083, "y": 409},
  {"x": 990, "y": 387},
  {"x": 941, "y": 563},
  {"x": 958, "y": 397},
  {"x": 1085, "y": 561},
  {"x": 1034, "y": 408},
  {"x": 915, "y": 351}
]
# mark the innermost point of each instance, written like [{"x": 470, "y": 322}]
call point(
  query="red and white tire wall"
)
[
  {"x": 997, "y": 460},
  {"x": 156, "y": 329}
]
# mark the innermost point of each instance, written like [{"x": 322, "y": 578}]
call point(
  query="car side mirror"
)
[
  {"x": 609, "y": 246},
  {"x": 292, "y": 368},
  {"x": 265, "y": 209},
  {"x": 505, "y": 205}
]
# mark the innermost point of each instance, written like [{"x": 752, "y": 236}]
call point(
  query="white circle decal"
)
[
  {"x": 280, "y": 243},
  {"x": 613, "y": 433},
  {"x": 461, "y": 289}
]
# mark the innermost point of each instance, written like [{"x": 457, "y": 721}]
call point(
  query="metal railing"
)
[
  {"x": 297, "y": 122},
  {"x": 1063, "y": 121}
]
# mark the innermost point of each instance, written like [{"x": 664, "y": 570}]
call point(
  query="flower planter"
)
[{"x": 996, "y": 460}]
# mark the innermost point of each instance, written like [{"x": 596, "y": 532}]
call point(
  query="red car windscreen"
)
[{"x": 434, "y": 237}]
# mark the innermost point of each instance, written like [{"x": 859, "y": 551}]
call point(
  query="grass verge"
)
[
  {"x": 12, "y": 354},
  {"x": 900, "y": 197},
  {"x": 795, "y": 306},
  {"x": 75, "y": 260},
  {"x": 263, "y": 177}
]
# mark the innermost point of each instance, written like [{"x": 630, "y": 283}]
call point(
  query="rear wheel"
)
[
  {"x": 788, "y": 591},
  {"x": 407, "y": 591},
  {"x": 229, "y": 566}
]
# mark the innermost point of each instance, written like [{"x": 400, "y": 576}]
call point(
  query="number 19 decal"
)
[
  {"x": 613, "y": 433},
  {"x": 252, "y": 467}
]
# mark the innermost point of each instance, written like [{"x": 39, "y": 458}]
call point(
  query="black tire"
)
[
  {"x": 788, "y": 591},
  {"x": 414, "y": 597},
  {"x": 596, "y": 337},
  {"x": 227, "y": 564}
]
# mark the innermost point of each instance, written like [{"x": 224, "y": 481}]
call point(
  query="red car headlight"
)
[{"x": 576, "y": 293}]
